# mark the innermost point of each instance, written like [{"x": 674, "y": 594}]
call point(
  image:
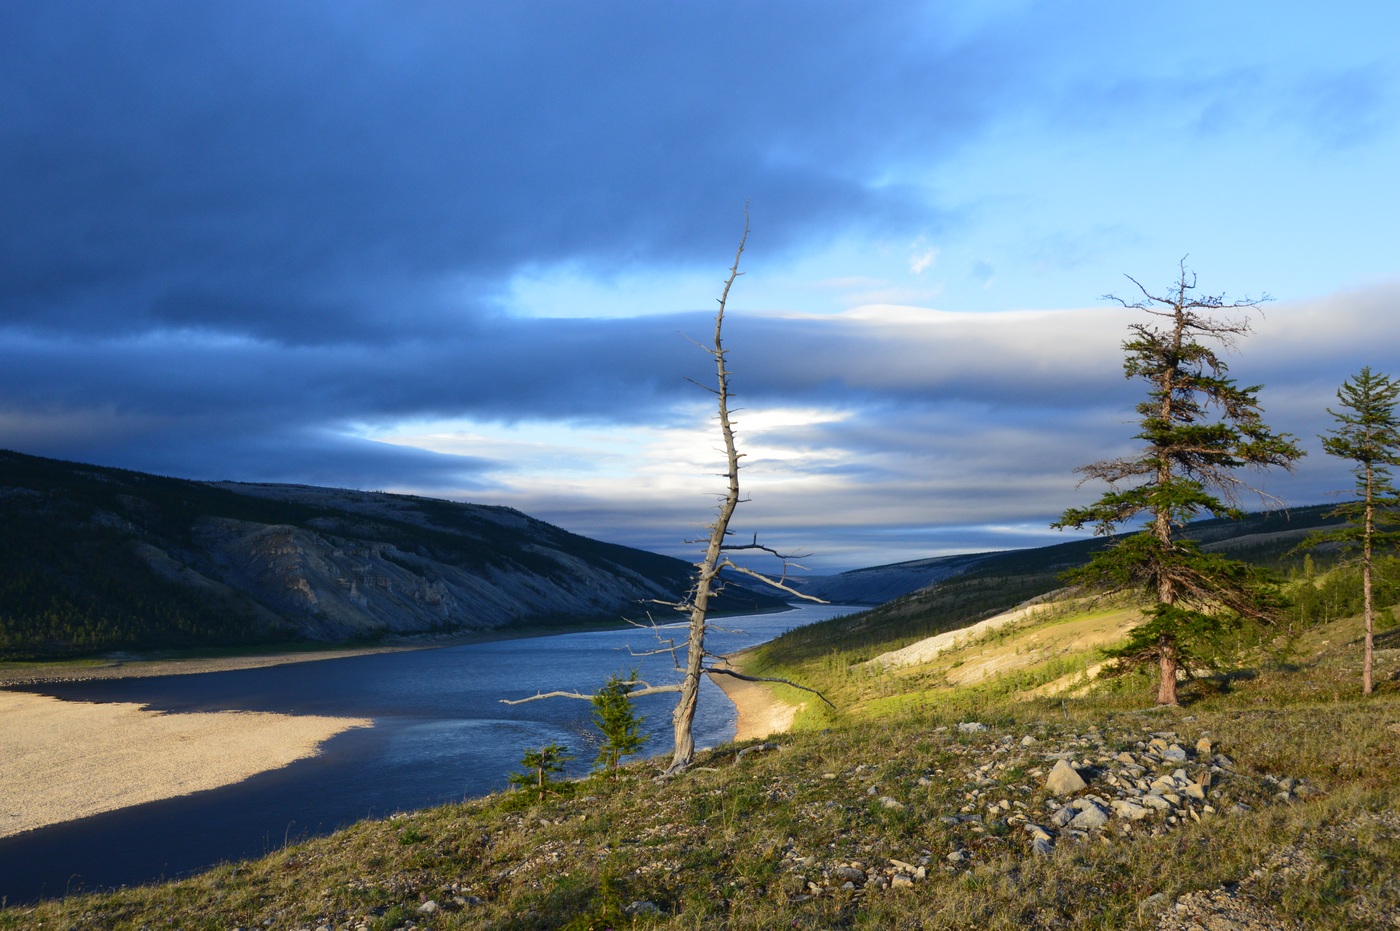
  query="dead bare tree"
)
[{"x": 709, "y": 581}]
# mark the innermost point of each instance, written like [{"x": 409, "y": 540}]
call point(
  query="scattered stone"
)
[
  {"x": 1130, "y": 810},
  {"x": 849, "y": 873},
  {"x": 971, "y": 727},
  {"x": 1064, "y": 779},
  {"x": 429, "y": 908},
  {"x": 642, "y": 908},
  {"x": 1091, "y": 818}
]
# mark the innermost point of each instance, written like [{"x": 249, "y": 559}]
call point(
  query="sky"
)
[{"x": 462, "y": 249}]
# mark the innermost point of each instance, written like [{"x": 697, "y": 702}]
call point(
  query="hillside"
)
[
  {"x": 967, "y": 778},
  {"x": 96, "y": 559},
  {"x": 1270, "y": 804},
  {"x": 1260, "y": 537}
]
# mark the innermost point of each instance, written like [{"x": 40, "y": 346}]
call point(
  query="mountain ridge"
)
[{"x": 94, "y": 558}]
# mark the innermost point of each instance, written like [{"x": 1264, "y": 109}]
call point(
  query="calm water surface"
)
[{"x": 440, "y": 734}]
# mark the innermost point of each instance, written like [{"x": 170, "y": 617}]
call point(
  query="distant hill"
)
[
  {"x": 1260, "y": 537},
  {"x": 95, "y": 559}
]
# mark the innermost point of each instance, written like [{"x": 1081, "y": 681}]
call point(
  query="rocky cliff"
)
[{"x": 94, "y": 558}]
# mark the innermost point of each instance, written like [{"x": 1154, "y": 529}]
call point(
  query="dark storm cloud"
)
[
  {"x": 238, "y": 238},
  {"x": 320, "y": 172}
]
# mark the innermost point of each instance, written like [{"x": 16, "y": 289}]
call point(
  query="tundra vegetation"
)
[{"x": 930, "y": 812}]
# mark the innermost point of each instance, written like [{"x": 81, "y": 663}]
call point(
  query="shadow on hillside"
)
[{"x": 1222, "y": 683}]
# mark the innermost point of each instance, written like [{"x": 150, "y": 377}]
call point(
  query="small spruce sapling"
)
[
  {"x": 618, "y": 722},
  {"x": 540, "y": 765}
]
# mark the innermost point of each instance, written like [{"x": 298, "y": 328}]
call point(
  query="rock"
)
[
  {"x": 849, "y": 873},
  {"x": 642, "y": 908},
  {"x": 1028, "y": 740},
  {"x": 899, "y": 879},
  {"x": 429, "y": 908},
  {"x": 1090, "y": 819},
  {"x": 1174, "y": 753},
  {"x": 1156, "y": 801},
  {"x": 1064, "y": 779},
  {"x": 1130, "y": 811},
  {"x": 971, "y": 727},
  {"x": 1203, "y": 748},
  {"x": 1064, "y": 816},
  {"x": 1042, "y": 846},
  {"x": 1194, "y": 791},
  {"x": 957, "y": 856},
  {"x": 891, "y": 803}
]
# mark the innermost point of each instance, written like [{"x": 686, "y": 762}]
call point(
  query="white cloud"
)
[{"x": 922, "y": 261}]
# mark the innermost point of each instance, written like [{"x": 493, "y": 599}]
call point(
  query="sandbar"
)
[
  {"x": 761, "y": 713},
  {"x": 63, "y": 760}
]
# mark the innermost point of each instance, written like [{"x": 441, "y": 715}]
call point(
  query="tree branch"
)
[
  {"x": 638, "y": 693},
  {"x": 718, "y": 671}
]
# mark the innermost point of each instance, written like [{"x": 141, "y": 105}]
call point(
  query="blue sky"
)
[{"x": 455, "y": 248}]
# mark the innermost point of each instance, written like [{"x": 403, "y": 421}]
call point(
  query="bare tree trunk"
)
[
  {"x": 684, "y": 716},
  {"x": 1368, "y": 609},
  {"x": 1167, "y": 666}
]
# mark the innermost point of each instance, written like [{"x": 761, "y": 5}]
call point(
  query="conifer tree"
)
[
  {"x": 1367, "y": 433},
  {"x": 617, "y": 721},
  {"x": 540, "y": 765},
  {"x": 1199, "y": 429}
]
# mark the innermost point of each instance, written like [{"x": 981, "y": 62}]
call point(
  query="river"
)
[{"x": 440, "y": 734}]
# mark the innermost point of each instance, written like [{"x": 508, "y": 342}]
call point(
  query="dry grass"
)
[{"x": 735, "y": 843}]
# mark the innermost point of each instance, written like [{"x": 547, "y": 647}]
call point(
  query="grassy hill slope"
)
[{"x": 930, "y": 818}]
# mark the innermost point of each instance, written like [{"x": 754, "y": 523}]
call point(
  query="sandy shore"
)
[
  {"x": 760, "y": 712},
  {"x": 64, "y": 760},
  {"x": 37, "y": 673}
]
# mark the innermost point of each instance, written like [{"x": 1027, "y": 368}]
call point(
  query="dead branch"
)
[
  {"x": 779, "y": 583},
  {"x": 636, "y": 693},
  {"x": 719, "y": 671}
]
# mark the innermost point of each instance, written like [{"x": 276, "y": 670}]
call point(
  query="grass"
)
[{"x": 759, "y": 841}]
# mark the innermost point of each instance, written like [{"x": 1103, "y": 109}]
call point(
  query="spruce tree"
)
[
  {"x": 1198, "y": 429},
  {"x": 1368, "y": 434},
  {"x": 540, "y": 765},
  {"x": 617, "y": 721}
]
